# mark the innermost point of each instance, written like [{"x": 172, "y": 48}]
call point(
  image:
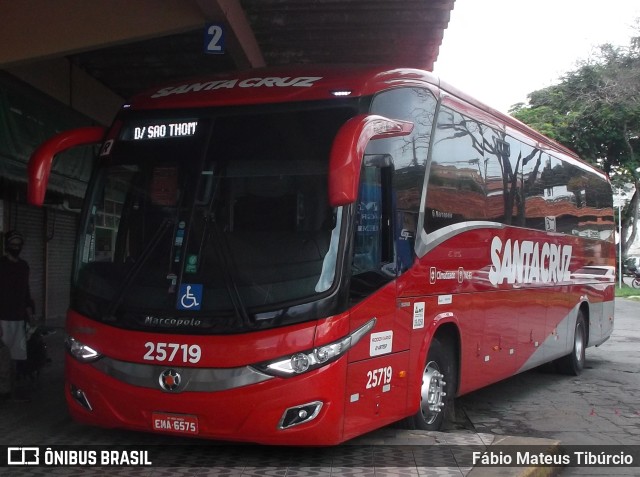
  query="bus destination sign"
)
[{"x": 161, "y": 131}]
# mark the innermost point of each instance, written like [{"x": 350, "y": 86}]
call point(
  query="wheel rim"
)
[
  {"x": 579, "y": 343},
  {"x": 432, "y": 392}
]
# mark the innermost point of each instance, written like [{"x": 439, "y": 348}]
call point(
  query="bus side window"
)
[
  {"x": 408, "y": 154},
  {"x": 372, "y": 223},
  {"x": 457, "y": 190},
  {"x": 373, "y": 261}
]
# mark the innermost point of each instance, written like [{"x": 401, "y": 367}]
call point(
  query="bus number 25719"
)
[
  {"x": 172, "y": 351},
  {"x": 378, "y": 377}
]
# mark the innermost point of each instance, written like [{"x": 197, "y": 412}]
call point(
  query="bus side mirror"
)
[
  {"x": 41, "y": 160},
  {"x": 348, "y": 150}
]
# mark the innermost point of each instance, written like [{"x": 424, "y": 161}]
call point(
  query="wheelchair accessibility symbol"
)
[{"x": 190, "y": 296}]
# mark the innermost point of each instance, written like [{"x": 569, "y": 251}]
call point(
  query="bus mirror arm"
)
[
  {"x": 348, "y": 149},
  {"x": 42, "y": 158}
]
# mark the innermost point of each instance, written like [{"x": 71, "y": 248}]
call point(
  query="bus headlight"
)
[
  {"x": 81, "y": 351},
  {"x": 300, "y": 362},
  {"x": 304, "y": 361}
]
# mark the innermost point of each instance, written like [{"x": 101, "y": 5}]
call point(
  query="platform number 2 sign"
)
[{"x": 214, "y": 39}]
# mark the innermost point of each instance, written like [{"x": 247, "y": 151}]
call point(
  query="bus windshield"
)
[{"x": 221, "y": 221}]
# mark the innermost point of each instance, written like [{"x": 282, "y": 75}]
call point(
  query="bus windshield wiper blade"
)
[
  {"x": 223, "y": 251},
  {"x": 226, "y": 258},
  {"x": 133, "y": 272}
]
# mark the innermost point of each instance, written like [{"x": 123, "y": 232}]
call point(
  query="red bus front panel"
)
[{"x": 247, "y": 413}]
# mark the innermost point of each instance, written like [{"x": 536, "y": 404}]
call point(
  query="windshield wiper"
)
[
  {"x": 224, "y": 255},
  {"x": 223, "y": 251},
  {"x": 133, "y": 272}
]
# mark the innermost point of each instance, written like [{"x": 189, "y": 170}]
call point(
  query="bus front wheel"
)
[
  {"x": 438, "y": 387},
  {"x": 573, "y": 363}
]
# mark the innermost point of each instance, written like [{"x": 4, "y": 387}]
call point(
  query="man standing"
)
[{"x": 16, "y": 305}]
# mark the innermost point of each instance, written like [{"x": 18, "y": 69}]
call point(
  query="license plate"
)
[{"x": 180, "y": 423}]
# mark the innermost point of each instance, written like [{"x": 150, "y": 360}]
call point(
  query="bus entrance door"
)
[{"x": 378, "y": 366}]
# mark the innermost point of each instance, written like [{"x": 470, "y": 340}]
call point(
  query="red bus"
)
[{"x": 302, "y": 255}]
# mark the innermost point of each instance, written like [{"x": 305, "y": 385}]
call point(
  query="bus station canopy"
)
[
  {"x": 129, "y": 46},
  {"x": 85, "y": 59}
]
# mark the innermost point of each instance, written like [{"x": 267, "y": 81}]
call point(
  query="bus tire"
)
[
  {"x": 438, "y": 387},
  {"x": 573, "y": 363}
]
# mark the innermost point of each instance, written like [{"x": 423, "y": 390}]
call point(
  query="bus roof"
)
[
  {"x": 278, "y": 84},
  {"x": 313, "y": 82}
]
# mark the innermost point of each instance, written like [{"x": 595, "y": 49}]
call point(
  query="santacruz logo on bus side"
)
[
  {"x": 527, "y": 261},
  {"x": 269, "y": 82}
]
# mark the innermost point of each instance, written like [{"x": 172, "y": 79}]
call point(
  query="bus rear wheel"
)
[
  {"x": 438, "y": 388},
  {"x": 573, "y": 363}
]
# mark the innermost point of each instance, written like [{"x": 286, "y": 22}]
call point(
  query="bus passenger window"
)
[
  {"x": 408, "y": 154},
  {"x": 457, "y": 189}
]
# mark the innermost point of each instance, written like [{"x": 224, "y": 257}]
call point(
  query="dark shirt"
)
[{"x": 15, "y": 296}]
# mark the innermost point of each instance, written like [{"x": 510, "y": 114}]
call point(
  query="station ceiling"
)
[{"x": 129, "y": 45}]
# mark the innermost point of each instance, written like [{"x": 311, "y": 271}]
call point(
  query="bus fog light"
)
[{"x": 300, "y": 414}]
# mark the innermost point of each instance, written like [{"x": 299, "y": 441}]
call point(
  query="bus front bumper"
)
[{"x": 303, "y": 410}]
